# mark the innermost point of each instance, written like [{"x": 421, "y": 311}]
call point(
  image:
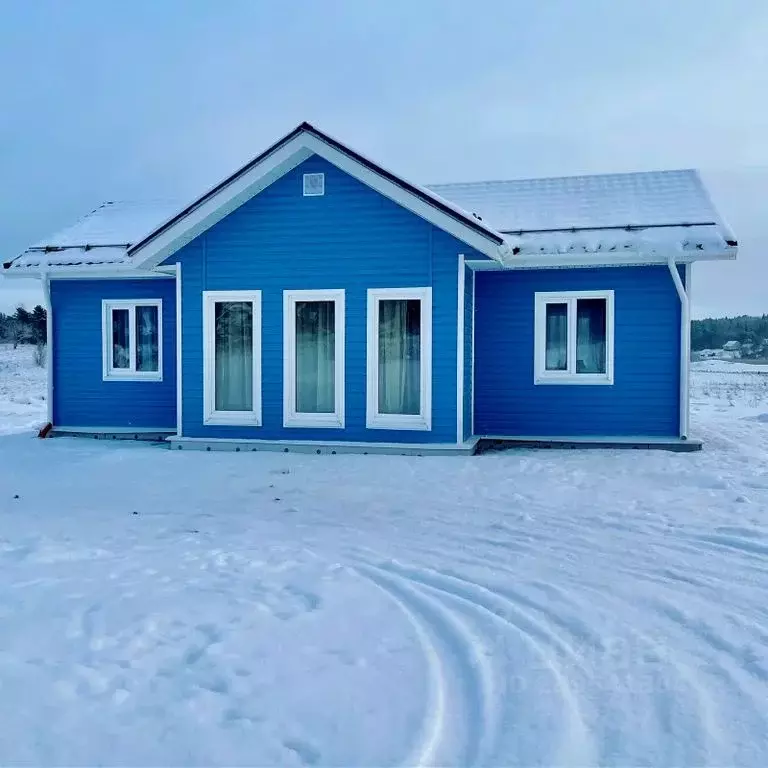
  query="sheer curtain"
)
[
  {"x": 556, "y": 358},
  {"x": 315, "y": 356},
  {"x": 147, "y": 338},
  {"x": 400, "y": 356},
  {"x": 121, "y": 345},
  {"x": 590, "y": 336},
  {"x": 234, "y": 356}
]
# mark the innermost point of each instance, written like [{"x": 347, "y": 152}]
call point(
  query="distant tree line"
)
[
  {"x": 24, "y": 327},
  {"x": 712, "y": 333}
]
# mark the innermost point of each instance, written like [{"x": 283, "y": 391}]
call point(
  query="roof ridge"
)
[{"x": 616, "y": 174}]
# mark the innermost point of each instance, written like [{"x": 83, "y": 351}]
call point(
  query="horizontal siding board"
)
[
  {"x": 351, "y": 238},
  {"x": 644, "y": 397},
  {"x": 81, "y": 398}
]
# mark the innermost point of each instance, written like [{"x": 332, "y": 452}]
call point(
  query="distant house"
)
[
  {"x": 732, "y": 349},
  {"x": 316, "y": 300}
]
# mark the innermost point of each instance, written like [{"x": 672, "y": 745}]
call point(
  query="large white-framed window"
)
[
  {"x": 574, "y": 333},
  {"x": 399, "y": 358},
  {"x": 232, "y": 357},
  {"x": 313, "y": 358},
  {"x": 132, "y": 339}
]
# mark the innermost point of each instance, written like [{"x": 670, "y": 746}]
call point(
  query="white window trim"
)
[
  {"x": 541, "y": 374},
  {"x": 210, "y": 414},
  {"x": 129, "y": 374},
  {"x": 374, "y": 419},
  {"x": 291, "y": 417}
]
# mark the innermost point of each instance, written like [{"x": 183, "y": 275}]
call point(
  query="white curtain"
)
[
  {"x": 315, "y": 356},
  {"x": 590, "y": 336},
  {"x": 400, "y": 356},
  {"x": 557, "y": 337},
  {"x": 121, "y": 349},
  {"x": 147, "y": 338},
  {"x": 234, "y": 356}
]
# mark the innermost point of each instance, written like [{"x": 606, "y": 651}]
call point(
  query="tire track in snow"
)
[
  {"x": 683, "y": 698},
  {"x": 457, "y": 727},
  {"x": 577, "y": 747}
]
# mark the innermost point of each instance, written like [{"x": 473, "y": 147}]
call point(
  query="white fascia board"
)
[
  {"x": 88, "y": 273},
  {"x": 405, "y": 198},
  {"x": 628, "y": 259},
  {"x": 239, "y": 191},
  {"x": 276, "y": 165}
]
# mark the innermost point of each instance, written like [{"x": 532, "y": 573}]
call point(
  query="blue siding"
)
[
  {"x": 469, "y": 277},
  {"x": 80, "y": 396},
  {"x": 644, "y": 399},
  {"x": 351, "y": 238}
]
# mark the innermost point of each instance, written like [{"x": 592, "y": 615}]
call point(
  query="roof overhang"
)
[
  {"x": 86, "y": 271},
  {"x": 615, "y": 246},
  {"x": 629, "y": 258},
  {"x": 283, "y": 157}
]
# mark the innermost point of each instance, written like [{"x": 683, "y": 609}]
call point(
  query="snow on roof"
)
[
  {"x": 101, "y": 237},
  {"x": 703, "y": 239},
  {"x": 567, "y": 202},
  {"x": 608, "y": 213}
]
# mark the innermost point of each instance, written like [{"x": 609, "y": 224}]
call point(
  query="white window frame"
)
[
  {"x": 569, "y": 376},
  {"x": 374, "y": 419},
  {"x": 307, "y": 190},
  {"x": 291, "y": 417},
  {"x": 211, "y": 416},
  {"x": 110, "y": 373}
]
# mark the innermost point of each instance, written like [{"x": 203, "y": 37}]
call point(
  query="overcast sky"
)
[{"x": 111, "y": 100}]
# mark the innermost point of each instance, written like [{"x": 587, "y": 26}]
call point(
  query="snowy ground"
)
[
  {"x": 22, "y": 389},
  {"x": 521, "y": 608}
]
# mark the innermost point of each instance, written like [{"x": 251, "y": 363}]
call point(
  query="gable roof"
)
[
  {"x": 309, "y": 140},
  {"x": 647, "y": 213}
]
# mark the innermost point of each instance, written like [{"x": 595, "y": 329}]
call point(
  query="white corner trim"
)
[
  {"x": 686, "y": 402},
  {"x": 48, "y": 346},
  {"x": 570, "y": 377},
  {"x": 374, "y": 419},
  {"x": 211, "y": 416},
  {"x": 461, "y": 299},
  {"x": 472, "y": 356},
  {"x": 179, "y": 355},
  {"x": 292, "y": 417},
  {"x": 685, "y": 345},
  {"x": 129, "y": 374}
]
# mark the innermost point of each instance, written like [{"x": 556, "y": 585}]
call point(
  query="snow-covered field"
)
[
  {"x": 522, "y": 608},
  {"x": 22, "y": 390}
]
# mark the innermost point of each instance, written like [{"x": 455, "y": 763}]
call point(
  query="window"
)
[
  {"x": 232, "y": 357},
  {"x": 313, "y": 358},
  {"x": 574, "y": 338},
  {"x": 131, "y": 339},
  {"x": 314, "y": 184},
  {"x": 399, "y": 380}
]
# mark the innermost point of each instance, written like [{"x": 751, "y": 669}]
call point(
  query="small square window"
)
[
  {"x": 574, "y": 338},
  {"x": 132, "y": 339},
  {"x": 314, "y": 184}
]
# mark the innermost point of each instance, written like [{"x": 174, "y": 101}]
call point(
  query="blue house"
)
[{"x": 315, "y": 300}]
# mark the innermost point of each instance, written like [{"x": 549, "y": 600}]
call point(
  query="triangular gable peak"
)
[{"x": 284, "y": 156}]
